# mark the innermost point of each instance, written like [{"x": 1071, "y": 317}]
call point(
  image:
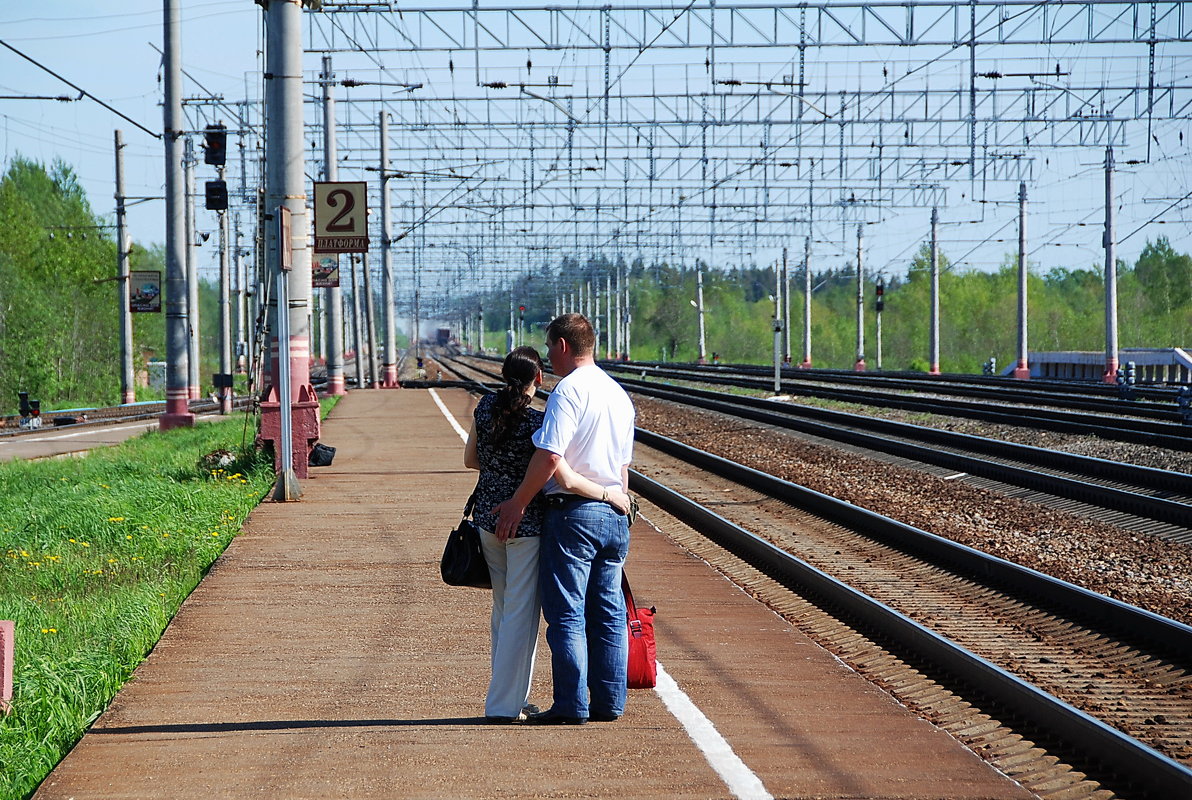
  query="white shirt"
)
[{"x": 589, "y": 422}]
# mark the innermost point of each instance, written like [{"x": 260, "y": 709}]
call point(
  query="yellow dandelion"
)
[
  {"x": 115, "y": 519},
  {"x": 128, "y": 537},
  {"x": 166, "y": 535},
  {"x": 85, "y": 544}
]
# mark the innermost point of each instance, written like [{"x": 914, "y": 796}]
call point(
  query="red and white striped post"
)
[{"x": 7, "y": 648}]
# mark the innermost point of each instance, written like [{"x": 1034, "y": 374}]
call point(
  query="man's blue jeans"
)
[{"x": 583, "y": 549}]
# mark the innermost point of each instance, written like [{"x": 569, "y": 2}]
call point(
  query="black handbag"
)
[{"x": 463, "y": 561}]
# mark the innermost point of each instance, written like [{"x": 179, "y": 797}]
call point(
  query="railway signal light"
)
[
  {"x": 216, "y": 195},
  {"x": 215, "y": 145},
  {"x": 1183, "y": 401},
  {"x": 1126, "y": 378},
  {"x": 880, "y": 294}
]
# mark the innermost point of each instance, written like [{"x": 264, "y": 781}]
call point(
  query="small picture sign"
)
[
  {"x": 144, "y": 291},
  {"x": 325, "y": 272}
]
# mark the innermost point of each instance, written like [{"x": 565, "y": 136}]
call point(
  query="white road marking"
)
[{"x": 741, "y": 781}]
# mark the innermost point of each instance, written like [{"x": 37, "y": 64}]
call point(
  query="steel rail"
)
[
  {"x": 1082, "y": 735},
  {"x": 1099, "y": 397},
  {"x": 1138, "y": 431},
  {"x": 111, "y": 415},
  {"x": 837, "y": 426}
]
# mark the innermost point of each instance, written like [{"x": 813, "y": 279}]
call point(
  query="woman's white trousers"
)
[{"x": 513, "y": 565}]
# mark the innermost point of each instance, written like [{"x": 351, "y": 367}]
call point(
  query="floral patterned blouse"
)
[{"x": 503, "y": 466}]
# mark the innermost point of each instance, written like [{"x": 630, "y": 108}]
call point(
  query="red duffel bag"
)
[{"x": 643, "y": 672}]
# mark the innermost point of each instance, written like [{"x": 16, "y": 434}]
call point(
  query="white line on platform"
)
[
  {"x": 740, "y": 779},
  {"x": 450, "y": 417}
]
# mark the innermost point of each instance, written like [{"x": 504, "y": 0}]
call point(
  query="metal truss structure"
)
[{"x": 520, "y": 133}]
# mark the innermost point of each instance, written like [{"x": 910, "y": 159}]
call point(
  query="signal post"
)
[{"x": 289, "y": 405}]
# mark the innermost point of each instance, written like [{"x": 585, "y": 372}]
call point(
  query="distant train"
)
[{"x": 443, "y": 337}]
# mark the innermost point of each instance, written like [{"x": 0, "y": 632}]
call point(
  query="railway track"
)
[
  {"x": 111, "y": 415},
  {"x": 1152, "y": 501},
  {"x": 1102, "y": 684},
  {"x": 1157, "y": 402},
  {"x": 990, "y": 656},
  {"x": 1103, "y": 418}
]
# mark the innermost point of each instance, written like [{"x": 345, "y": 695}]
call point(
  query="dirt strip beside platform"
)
[{"x": 322, "y": 657}]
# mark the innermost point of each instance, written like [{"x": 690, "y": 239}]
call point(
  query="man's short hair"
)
[{"x": 575, "y": 330}]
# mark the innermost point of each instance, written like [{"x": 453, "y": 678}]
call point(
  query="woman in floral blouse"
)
[{"x": 499, "y": 445}]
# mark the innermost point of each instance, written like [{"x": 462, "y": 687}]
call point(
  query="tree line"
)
[
  {"x": 59, "y": 320},
  {"x": 978, "y": 310}
]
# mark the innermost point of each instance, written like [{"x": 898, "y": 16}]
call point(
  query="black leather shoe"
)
[
  {"x": 500, "y": 720},
  {"x": 603, "y": 716},
  {"x": 550, "y": 717}
]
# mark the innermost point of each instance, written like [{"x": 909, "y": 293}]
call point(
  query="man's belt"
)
[{"x": 560, "y": 499}]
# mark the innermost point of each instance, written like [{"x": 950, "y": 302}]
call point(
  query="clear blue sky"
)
[{"x": 109, "y": 50}]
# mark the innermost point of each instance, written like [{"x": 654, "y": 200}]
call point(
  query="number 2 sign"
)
[{"x": 341, "y": 217}]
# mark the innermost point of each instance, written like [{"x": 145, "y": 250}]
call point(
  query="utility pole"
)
[
  {"x": 358, "y": 344},
  {"x": 1022, "y": 370},
  {"x": 699, "y": 307},
  {"x": 609, "y": 336},
  {"x": 387, "y": 262},
  {"x": 128, "y": 392},
  {"x": 777, "y": 329},
  {"x": 290, "y": 412},
  {"x": 806, "y": 362},
  {"x": 860, "y": 365},
  {"x": 1111, "y": 331},
  {"x": 177, "y": 389},
  {"x": 879, "y": 306},
  {"x": 934, "y": 355},
  {"x": 332, "y": 298},
  {"x": 192, "y": 277},
  {"x": 225, "y": 316},
  {"x": 370, "y": 316},
  {"x": 239, "y": 295},
  {"x": 786, "y": 308}
]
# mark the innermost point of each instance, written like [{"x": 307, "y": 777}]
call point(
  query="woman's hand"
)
[{"x": 618, "y": 500}]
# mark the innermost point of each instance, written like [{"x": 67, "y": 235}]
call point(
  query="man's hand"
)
[
  {"x": 618, "y": 500},
  {"x": 509, "y": 517}
]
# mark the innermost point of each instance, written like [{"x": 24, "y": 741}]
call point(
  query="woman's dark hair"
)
[{"x": 521, "y": 367}]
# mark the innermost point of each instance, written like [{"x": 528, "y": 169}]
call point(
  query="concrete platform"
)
[{"x": 322, "y": 657}]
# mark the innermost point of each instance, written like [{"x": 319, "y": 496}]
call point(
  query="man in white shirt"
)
[{"x": 589, "y": 422}]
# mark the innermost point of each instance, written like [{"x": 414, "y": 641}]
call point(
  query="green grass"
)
[{"x": 96, "y": 555}]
